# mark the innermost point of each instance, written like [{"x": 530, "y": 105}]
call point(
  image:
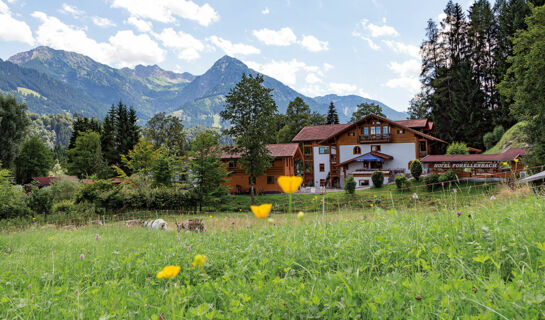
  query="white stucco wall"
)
[
  {"x": 403, "y": 153},
  {"x": 320, "y": 158}
]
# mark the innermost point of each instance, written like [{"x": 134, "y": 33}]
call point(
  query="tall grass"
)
[{"x": 417, "y": 262}]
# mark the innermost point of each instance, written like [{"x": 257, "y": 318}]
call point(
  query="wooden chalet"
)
[
  {"x": 501, "y": 165},
  {"x": 286, "y": 156},
  {"x": 333, "y": 152}
]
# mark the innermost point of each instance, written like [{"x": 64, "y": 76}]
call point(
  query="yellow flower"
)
[
  {"x": 240, "y": 210},
  {"x": 168, "y": 272},
  {"x": 199, "y": 260},
  {"x": 300, "y": 215},
  {"x": 50, "y": 238},
  {"x": 516, "y": 160},
  {"x": 14, "y": 232},
  {"x": 262, "y": 211},
  {"x": 33, "y": 218},
  {"x": 505, "y": 163},
  {"x": 290, "y": 184},
  {"x": 210, "y": 217},
  {"x": 444, "y": 209},
  {"x": 375, "y": 195},
  {"x": 42, "y": 228},
  {"x": 372, "y": 204}
]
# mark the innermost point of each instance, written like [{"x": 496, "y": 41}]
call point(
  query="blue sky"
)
[{"x": 367, "y": 47}]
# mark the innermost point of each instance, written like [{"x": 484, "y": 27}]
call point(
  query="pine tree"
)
[
  {"x": 13, "y": 127},
  {"x": 249, "y": 106},
  {"x": 108, "y": 143},
  {"x": 81, "y": 125},
  {"x": 332, "y": 116}
]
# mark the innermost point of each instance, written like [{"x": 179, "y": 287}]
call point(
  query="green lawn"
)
[{"x": 416, "y": 263}]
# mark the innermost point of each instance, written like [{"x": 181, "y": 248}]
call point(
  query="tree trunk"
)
[{"x": 252, "y": 192}]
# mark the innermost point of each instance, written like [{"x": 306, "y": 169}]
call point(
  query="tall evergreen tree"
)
[
  {"x": 13, "y": 127},
  {"x": 249, "y": 106},
  {"x": 110, "y": 152},
  {"x": 332, "y": 116},
  {"x": 81, "y": 125},
  {"x": 298, "y": 116}
]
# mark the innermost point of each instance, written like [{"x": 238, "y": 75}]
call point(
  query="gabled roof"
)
[
  {"x": 508, "y": 155},
  {"x": 414, "y": 123},
  {"x": 276, "y": 150},
  {"x": 374, "y": 153},
  {"x": 364, "y": 119},
  {"x": 318, "y": 133}
]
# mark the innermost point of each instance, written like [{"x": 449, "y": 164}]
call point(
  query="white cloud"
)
[
  {"x": 12, "y": 29},
  {"x": 123, "y": 49},
  {"x": 284, "y": 71},
  {"x": 66, "y": 8},
  {"x": 376, "y": 31},
  {"x": 166, "y": 10},
  {"x": 187, "y": 46},
  {"x": 265, "y": 11},
  {"x": 327, "y": 66},
  {"x": 233, "y": 49},
  {"x": 312, "y": 78},
  {"x": 139, "y": 24},
  {"x": 343, "y": 89},
  {"x": 312, "y": 44},
  {"x": 400, "y": 47},
  {"x": 370, "y": 42},
  {"x": 103, "y": 22},
  {"x": 282, "y": 37},
  {"x": 407, "y": 76}
]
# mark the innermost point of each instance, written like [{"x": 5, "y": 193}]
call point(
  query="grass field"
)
[{"x": 418, "y": 262}]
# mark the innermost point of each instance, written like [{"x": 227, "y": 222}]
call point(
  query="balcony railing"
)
[{"x": 375, "y": 138}]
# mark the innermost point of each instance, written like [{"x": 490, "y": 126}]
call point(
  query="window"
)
[
  {"x": 351, "y": 134},
  {"x": 270, "y": 180},
  {"x": 322, "y": 167},
  {"x": 357, "y": 150},
  {"x": 364, "y": 183},
  {"x": 366, "y": 131},
  {"x": 385, "y": 130},
  {"x": 323, "y": 150},
  {"x": 423, "y": 146},
  {"x": 250, "y": 180},
  {"x": 375, "y": 147},
  {"x": 308, "y": 150},
  {"x": 322, "y": 182},
  {"x": 377, "y": 130},
  {"x": 400, "y": 131},
  {"x": 232, "y": 164},
  {"x": 372, "y": 130}
]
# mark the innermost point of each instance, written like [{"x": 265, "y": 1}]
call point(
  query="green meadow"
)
[{"x": 480, "y": 259}]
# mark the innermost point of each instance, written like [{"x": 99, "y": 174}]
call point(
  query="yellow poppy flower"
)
[
  {"x": 261, "y": 211},
  {"x": 290, "y": 184},
  {"x": 169, "y": 272},
  {"x": 505, "y": 163},
  {"x": 50, "y": 238},
  {"x": 372, "y": 204},
  {"x": 199, "y": 260},
  {"x": 516, "y": 160},
  {"x": 300, "y": 215}
]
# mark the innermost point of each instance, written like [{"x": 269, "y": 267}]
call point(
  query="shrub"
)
[
  {"x": 12, "y": 198},
  {"x": 416, "y": 169},
  {"x": 91, "y": 192},
  {"x": 64, "y": 189},
  {"x": 457, "y": 148},
  {"x": 451, "y": 175},
  {"x": 63, "y": 206},
  {"x": 350, "y": 185},
  {"x": 378, "y": 179},
  {"x": 498, "y": 132},
  {"x": 40, "y": 201},
  {"x": 401, "y": 182},
  {"x": 431, "y": 181},
  {"x": 489, "y": 140}
]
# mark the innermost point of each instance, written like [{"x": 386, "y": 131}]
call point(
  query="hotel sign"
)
[{"x": 464, "y": 165}]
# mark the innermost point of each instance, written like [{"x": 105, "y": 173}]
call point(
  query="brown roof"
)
[
  {"x": 277, "y": 151},
  {"x": 46, "y": 181},
  {"x": 318, "y": 133},
  {"x": 508, "y": 155},
  {"x": 349, "y": 126},
  {"x": 414, "y": 123},
  {"x": 375, "y": 153}
]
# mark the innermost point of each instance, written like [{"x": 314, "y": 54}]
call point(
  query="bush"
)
[
  {"x": 451, "y": 175},
  {"x": 12, "y": 198},
  {"x": 489, "y": 140},
  {"x": 401, "y": 182},
  {"x": 350, "y": 185},
  {"x": 64, "y": 206},
  {"x": 457, "y": 148},
  {"x": 40, "y": 201},
  {"x": 498, "y": 132},
  {"x": 378, "y": 179},
  {"x": 431, "y": 181},
  {"x": 64, "y": 189},
  {"x": 416, "y": 169},
  {"x": 92, "y": 191}
]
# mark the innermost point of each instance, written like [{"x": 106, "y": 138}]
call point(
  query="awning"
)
[{"x": 369, "y": 158}]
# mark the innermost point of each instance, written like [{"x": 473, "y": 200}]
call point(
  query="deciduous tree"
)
[
  {"x": 34, "y": 160},
  {"x": 13, "y": 126}
]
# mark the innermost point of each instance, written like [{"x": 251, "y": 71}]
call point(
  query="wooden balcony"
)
[{"x": 374, "y": 138}]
